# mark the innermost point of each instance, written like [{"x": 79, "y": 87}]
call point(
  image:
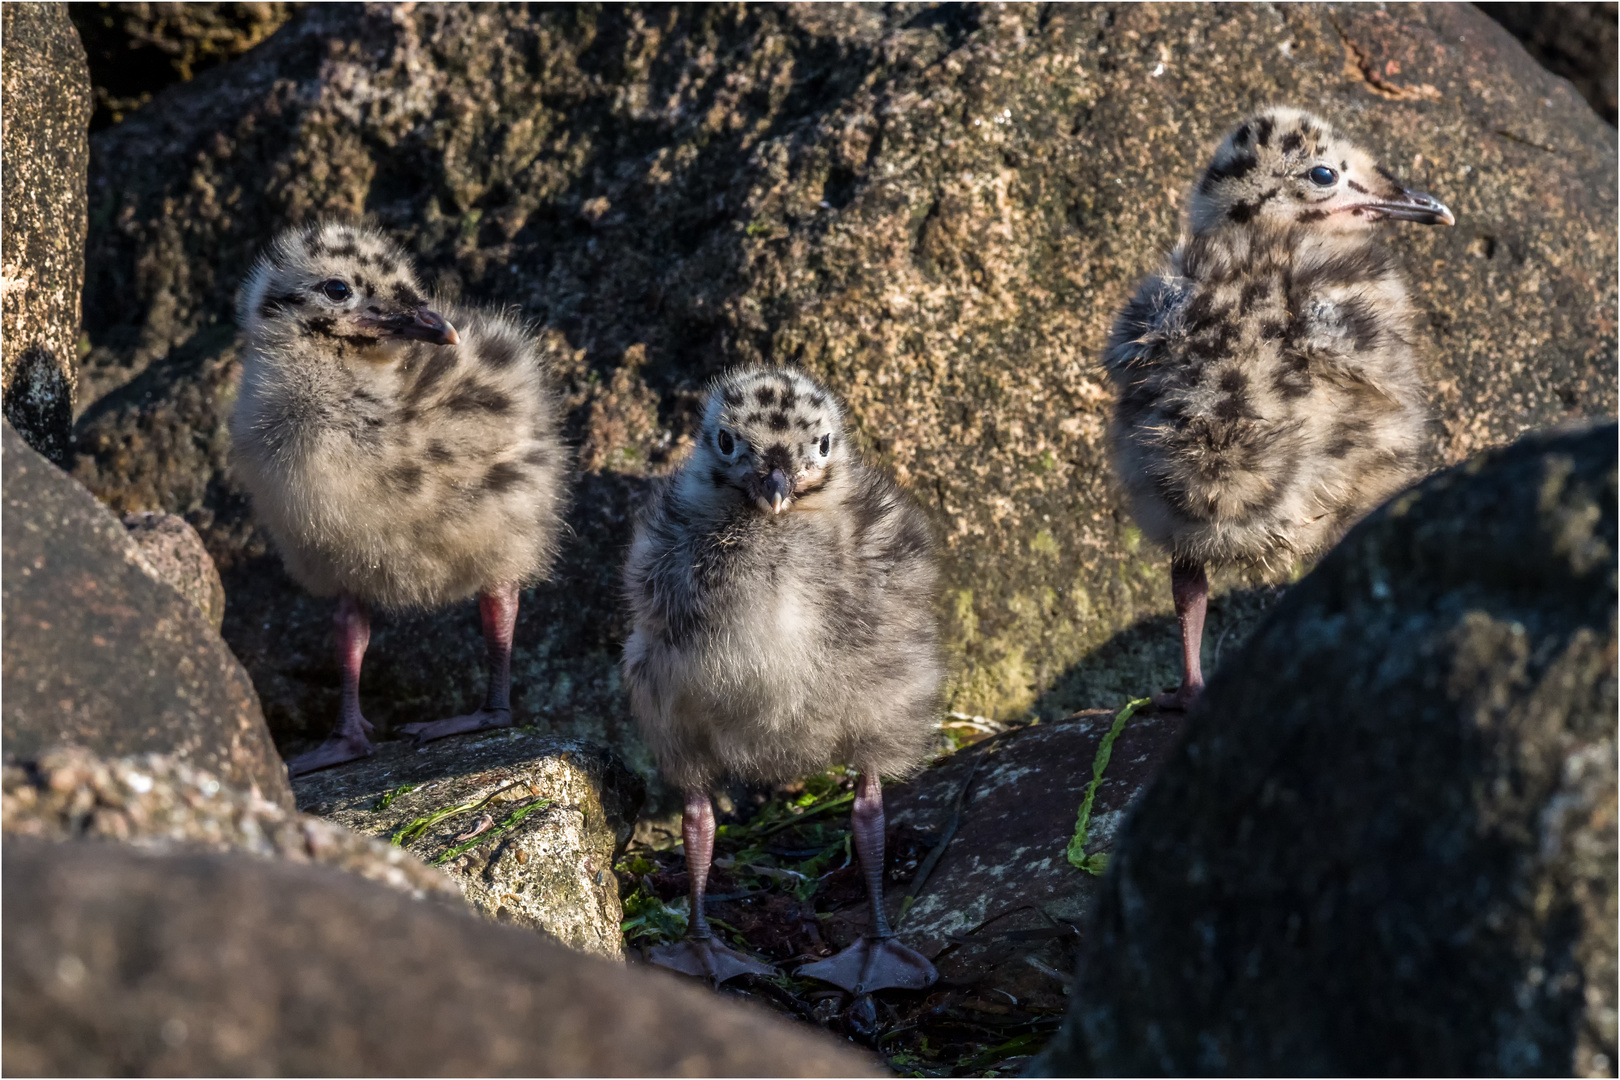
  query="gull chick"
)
[
  {"x": 1268, "y": 390},
  {"x": 783, "y": 595},
  {"x": 400, "y": 453}
]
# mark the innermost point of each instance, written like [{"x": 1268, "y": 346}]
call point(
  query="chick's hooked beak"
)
[
  {"x": 422, "y": 324},
  {"x": 1415, "y": 206},
  {"x": 778, "y": 490}
]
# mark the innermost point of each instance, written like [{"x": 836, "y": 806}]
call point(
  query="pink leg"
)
[
  {"x": 877, "y": 961},
  {"x": 349, "y": 741},
  {"x": 497, "y": 609},
  {"x": 1190, "y": 587},
  {"x": 700, "y": 954}
]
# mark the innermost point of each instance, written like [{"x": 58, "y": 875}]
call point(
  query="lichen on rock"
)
[{"x": 527, "y": 827}]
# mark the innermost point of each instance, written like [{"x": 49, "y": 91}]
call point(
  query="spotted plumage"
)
[
  {"x": 400, "y": 453},
  {"x": 783, "y": 600},
  {"x": 1268, "y": 391},
  {"x": 772, "y": 640}
]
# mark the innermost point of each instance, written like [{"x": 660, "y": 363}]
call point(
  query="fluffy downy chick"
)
[
  {"x": 783, "y": 595},
  {"x": 1268, "y": 392},
  {"x": 400, "y": 454}
]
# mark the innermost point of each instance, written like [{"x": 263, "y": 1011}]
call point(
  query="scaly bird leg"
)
[
  {"x": 700, "y": 954},
  {"x": 877, "y": 961},
  {"x": 1189, "y": 585},
  {"x": 497, "y": 609},
  {"x": 348, "y": 742}
]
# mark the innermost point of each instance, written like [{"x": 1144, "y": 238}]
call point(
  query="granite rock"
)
[
  {"x": 96, "y": 653},
  {"x": 159, "y": 804},
  {"x": 1387, "y": 844},
  {"x": 935, "y": 209},
  {"x": 117, "y": 962},
  {"x": 44, "y": 112},
  {"x": 533, "y": 827},
  {"x": 173, "y": 553}
]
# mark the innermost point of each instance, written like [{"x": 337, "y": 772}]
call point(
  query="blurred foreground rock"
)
[
  {"x": 527, "y": 827},
  {"x": 44, "y": 115},
  {"x": 97, "y": 653},
  {"x": 174, "y": 554},
  {"x": 118, "y": 962},
  {"x": 937, "y": 209},
  {"x": 1388, "y": 843},
  {"x": 159, "y": 804}
]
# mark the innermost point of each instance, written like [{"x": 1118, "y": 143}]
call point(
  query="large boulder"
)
[
  {"x": 99, "y": 654},
  {"x": 44, "y": 117},
  {"x": 120, "y": 963},
  {"x": 938, "y": 209},
  {"x": 526, "y": 826},
  {"x": 1387, "y": 845}
]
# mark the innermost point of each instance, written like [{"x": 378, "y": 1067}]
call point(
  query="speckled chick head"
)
[
  {"x": 773, "y": 436},
  {"x": 341, "y": 288},
  {"x": 1285, "y": 168}
]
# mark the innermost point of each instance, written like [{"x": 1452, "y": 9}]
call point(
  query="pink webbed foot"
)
[
  {"x": 481, "y": 720},
  {"x": 334, "y": 751},
  {"x": 706, "y": 958},
  {"x": 874, "y": 964}
]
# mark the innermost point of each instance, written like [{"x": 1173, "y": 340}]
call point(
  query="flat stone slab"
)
[
  {"x": 526, "y": 825},
  {"x": 1002, "y": 907}
]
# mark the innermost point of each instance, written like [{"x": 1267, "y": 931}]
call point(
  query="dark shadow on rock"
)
[
  {"x": 1145, "y": 657},
  {"x": 1386, "y": 844}
]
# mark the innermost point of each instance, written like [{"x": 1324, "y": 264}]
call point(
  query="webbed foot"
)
[
  {"x": 483, "y": 719},
  {"x": 874, "y": 964},
  {"x": 706, "y": 958},
  {"x": 334, "y": 751}
]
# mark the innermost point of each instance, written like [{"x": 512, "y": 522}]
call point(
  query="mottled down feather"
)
[
  {"x": 769, "y": 645},
  {"x": 410, "y": 476},
  {"x": 1268, "y": 388}
]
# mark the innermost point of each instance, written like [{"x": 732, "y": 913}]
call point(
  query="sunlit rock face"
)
[{"x": 936, "y": 210}]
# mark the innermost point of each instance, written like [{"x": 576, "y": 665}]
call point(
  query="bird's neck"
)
[{"x": 1229, "y": 249}]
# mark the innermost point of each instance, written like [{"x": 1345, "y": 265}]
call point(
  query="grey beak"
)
[
  {"x": 428, "y": 325},
  {"x": 423, "y": 324},
  {"x": 778, "y": 489},
  {"x": 1416, "y": 206}
]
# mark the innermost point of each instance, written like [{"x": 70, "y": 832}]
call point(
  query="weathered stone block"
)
[{"x": 527, "y": 826}]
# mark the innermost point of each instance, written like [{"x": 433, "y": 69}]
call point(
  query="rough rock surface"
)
[
  {"x": 173, "y": 553},
  {"x": 557, "y": 812},
  {"x": 1003, "y": 891},
  {"x": 97, "y": 653},
  {"x": 936, "y": 209},
  {"x": 121, "y": 963},
  {"x": 159, "y": 804},
  {"x": 1387, "y": 845},
  {"x": 44, "y": 110},
  {"x": 1575, "y": 40},
  {"x": 137, "y": 49}
]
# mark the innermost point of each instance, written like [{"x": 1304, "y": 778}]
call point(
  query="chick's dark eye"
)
[
  {"x": 1322, "y": 176},
  {"x": 725, "y": 442},
  {"x": 335, "y": 290},
  {"x": 826, "y": 444}
]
